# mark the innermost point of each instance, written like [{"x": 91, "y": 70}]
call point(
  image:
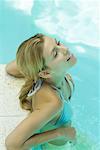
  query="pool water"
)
[{"x": 75, "y": 24}]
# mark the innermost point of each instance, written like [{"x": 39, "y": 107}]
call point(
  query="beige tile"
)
[
  {"x": 9, "y": 88},
  {"x": 2, "y": 147}
]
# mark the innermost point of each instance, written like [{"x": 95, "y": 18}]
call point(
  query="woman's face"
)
[{"x": 56, "y": 56}]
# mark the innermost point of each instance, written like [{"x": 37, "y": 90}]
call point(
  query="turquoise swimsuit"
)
[{"x": 66, "y": 113}]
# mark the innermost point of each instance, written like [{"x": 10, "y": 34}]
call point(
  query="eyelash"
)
[
  {"x": 58, "y": 42},
  {"x": 56, "y": 54}
]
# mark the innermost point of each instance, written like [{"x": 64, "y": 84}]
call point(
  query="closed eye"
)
[
  {"x": 57, "y": 42},
  {"x": 55, "y": 50},
  {"x": 56, "y": 54}
]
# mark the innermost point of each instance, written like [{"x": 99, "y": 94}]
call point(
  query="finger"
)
[{"x": 68, "y": 124}]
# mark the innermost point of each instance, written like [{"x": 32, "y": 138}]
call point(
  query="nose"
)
[{"x": 65, "y": 52}]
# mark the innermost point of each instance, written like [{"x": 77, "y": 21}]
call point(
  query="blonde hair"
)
[{"x": 30, "y": 61}]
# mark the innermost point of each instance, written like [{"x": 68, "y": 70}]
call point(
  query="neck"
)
[{"x": 56, "y": 81}]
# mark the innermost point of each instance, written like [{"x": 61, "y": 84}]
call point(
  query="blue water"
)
[{"x": 74, "y": 23}]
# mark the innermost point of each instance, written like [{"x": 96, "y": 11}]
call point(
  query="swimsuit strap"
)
[
  {"x": 71, "y": 80},
  {"x": 36, "y": 86},
  {"x": 71, "y": 84}
]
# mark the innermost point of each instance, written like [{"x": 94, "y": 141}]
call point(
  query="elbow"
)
[
  {"x": 8, "y": 69},
  {"x": 7, "y": 144},
  {"x": 10, "y": 144}
]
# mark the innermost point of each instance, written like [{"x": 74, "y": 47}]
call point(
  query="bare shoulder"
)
[{"x": 46, "y": 95}]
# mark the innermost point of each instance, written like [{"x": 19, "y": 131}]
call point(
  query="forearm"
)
[{"x": 41, "y": 138}]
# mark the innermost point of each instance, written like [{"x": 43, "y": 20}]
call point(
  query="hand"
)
[{"x": 68, "y": 132}]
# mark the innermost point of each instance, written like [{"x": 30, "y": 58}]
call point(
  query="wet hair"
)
[{"x": 30, "y": 61}]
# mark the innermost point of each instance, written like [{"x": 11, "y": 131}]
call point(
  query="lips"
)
[{"x": 69, "y": 57}]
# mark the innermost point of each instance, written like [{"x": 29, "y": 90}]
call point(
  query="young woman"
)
[{"x": 43, "y": 62}]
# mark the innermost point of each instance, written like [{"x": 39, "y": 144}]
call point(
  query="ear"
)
[{"x": 44, "y": 74}]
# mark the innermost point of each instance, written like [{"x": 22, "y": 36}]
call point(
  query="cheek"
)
[
  {"x": 53, "y": 66},
  {"x": 57, "y": 63},
  {"x": 58, "y": 66}
]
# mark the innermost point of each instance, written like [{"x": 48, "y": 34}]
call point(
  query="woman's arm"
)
[
  {"x": 58, "y": 136},
  {"x": 54, "y": 136},
  {"x": 34, "y": 122}
]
